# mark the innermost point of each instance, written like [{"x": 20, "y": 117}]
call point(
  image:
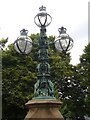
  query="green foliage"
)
[
  {"x": 84, "y": 70},
  {"x": 19, "y": 76},
  {"x": 71, "y": 83},
  {"x": 67, "y": 82}
]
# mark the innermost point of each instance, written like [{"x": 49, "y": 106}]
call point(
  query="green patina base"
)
[{"x": 44, "y": 98}]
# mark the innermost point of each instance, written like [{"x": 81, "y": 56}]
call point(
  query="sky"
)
[{"x": 72, "y": 14}]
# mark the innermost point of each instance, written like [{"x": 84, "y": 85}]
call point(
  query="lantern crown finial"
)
[
  {"x": 42, "y": 18},
  {"x": 24, "y": 32},
  {"x": 62, "y": 30},
  {"x": 42, "y": 8}
]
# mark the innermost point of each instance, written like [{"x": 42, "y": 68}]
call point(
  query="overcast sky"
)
[{"x": 72, "y": 14}]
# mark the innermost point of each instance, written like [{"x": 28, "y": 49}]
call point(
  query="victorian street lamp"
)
[{"x": 43, "y": 89}]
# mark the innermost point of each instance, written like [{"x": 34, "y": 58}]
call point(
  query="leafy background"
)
[{"x": 19, "y": 74}]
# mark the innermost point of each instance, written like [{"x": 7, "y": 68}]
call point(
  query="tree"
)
[
  {"x": 68, "y": 83},
  {"x": 73, "y": 93},
  {"x": 19, "y": 76},
  {"x": 70, "y": 89},
  {"x": 84, "y": 70}
]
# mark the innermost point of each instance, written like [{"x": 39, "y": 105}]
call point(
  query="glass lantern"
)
[
  {"x": 64, "y": 42},
  {"x": 42, "y": 18},
  {"x": 23, "y": 44}
]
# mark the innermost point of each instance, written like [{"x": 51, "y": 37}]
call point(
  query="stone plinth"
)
[{"x": 43, "y": 109}]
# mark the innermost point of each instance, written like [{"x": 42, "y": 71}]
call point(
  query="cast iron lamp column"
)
[{"x": 43, "y": 89}]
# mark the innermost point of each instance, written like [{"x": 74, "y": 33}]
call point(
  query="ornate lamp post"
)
[{"x": 43, "y": 89}]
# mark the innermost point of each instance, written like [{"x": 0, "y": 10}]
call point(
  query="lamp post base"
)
[{"x": 44, "y": 109}]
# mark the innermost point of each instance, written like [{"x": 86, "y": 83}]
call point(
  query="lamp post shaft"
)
[
  {"x": 43, "y": 53},
  {"x": 43, "y": 88}
]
